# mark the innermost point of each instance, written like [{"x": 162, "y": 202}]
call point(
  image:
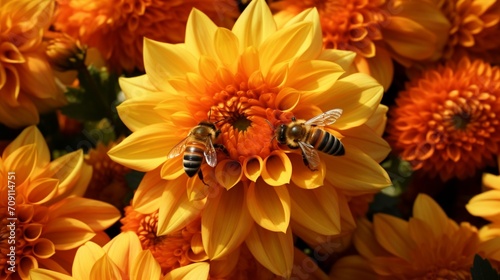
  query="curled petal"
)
[
  {"x": 277, "y": 169},
  {"x": 287, "y": 99},
  {"x": 252, "y": 167},
  {"x": 26, "y": 263},
  {"x": 228, "y": 173},
  {"x": 314, "y": 76},
  {"x": 32, "y": 231},
  {"x": 269, "y": 206},
  {"x": 43, "y": 248},
  {"x": 274, "y": 250},
  {"x": 304, "y": 177}
]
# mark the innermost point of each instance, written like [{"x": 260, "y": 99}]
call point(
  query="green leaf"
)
[{"x": 482, "y": 270}]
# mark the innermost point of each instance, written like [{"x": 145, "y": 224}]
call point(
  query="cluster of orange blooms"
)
[{"x": 226, "y": 139}]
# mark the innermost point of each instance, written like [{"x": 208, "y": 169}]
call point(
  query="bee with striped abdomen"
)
[
  {"x": 310, "y": 137},
  {"x": 196, "y": 146}
]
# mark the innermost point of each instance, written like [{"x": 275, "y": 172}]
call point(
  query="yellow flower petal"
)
[
  {"x": 96, "y": 214},
  {"x": 485, "y": 205},
  {"x": 67, "y": 233},
  {"x": 176, "y": 211},
  {"x": 147, "y": 196},
  {"x": 426, "y": 209},
  {"x": 226, "y": 46},
  {"x": 252, "y": 167},
  {"x": 378, "y": 120},
  {"x": 141, "y": 86},
  {"x": 42, "y": 190},
  {"x": 165, "y": 61},
  {"x": 366, "y": 140},
  {"x": 316, "y": 210},
  {"x": 225, "y": 221},
  {"x": 491, "y": 181},
  {"x": 287, "y": 99},
  {"x": 340, "y": 57},
  {"x": 172, "y": 168},
  {"x": 254, "y": 25},
  {"x": 381, "y": 68},
  {"x": 104, "y": 268},
  {"x": 274, "y": 250},
  {"x": 314, "y": 76},
  {"x": 44, "y": 274},
  {"x": 392, "y": 234},
  {"x": 145, "y": 149},
  {"x": 30, "y": 135},
  {"x": 139, "y": 112},
  {"x": 277, "y": 169},
  {"x": 269, "y": 206},
  {"x": 352, "y": 268},
  {"x": 304, "y": 177},
  {"x": 23, "y": 160},
  {"x": 145, "y": 266},
  {"x": 228, "y": 173},
  {"x": 68, "y": 169},
  {"x": 85, "y": 258},
  {"x": 370, "y": 176},
  {"x": 43, "y": 248},
  {"x": 192, "y": 271},
  {"x": 44, "y": 78},
  {"x": 310, "y": 15},
  {"x": 200, "y": 29},
  {"x": 123, "y": 250}
]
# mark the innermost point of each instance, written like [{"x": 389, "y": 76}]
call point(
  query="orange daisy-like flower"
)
[
  {"x": 120, "y": 258},
  {"x": 475, "y": 28},
  {"x": 41, "y": 203},
  {"x": 377, "y": 30},
  {"x": 248, "y": 81},
  {"x": 446, "y": 121},
  {"x": 27, "y": 83},
  {"x": 117, "y": 28},
  {"x": 428, "y": 246},
  {"x": 108, "y": 179}
]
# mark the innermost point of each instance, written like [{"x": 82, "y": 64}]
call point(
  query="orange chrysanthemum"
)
[
  {"x": 428, "y": 246},
  {"x": 475, "y": 28},
  {"x": 446, "y": 121},
  {"x": 27, "y": 83},
  {"x": 108, "y": 179},
  {"x": 377, "y": 30},
  {"x": 248, "y": 81},
  {"x": 42, "y": 199},
  {"x": 117, "y": 28}
]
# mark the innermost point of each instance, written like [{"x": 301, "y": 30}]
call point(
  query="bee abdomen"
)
[
  {"x": 193, "y": 157},
  {"x": 327, "y": 143}
]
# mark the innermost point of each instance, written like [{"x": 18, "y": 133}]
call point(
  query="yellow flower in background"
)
[
  {"x": 117, "y": 28},
  {"x": 27, "y": 83},
  {"x": 247, "y": 81},
  {"x": 428, "y": 246},
  {"x": 475, "y": 28},
  {"x": 487, "y": 204},
  {"x": 52, "y": 218},
  {"x": 446, "y": 121},
  {"x": 121, "y": 258},
  {"x": 377, "y": 30}
]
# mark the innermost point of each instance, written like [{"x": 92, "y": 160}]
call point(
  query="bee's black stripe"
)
[
  {"x": 324, "y": 142},
  {"x": 336, "y": 149}
]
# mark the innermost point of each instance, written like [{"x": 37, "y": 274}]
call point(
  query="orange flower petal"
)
[
  {"x": 67, "y": 233},
  {"x": 269, "y": 206},
  {"x": 42, "y": 190},
  {"x": 147, "y": 196},
  {"x": 44, "y": 274},
  {"x": 274, "y": 250},
  {"x": 426, "y": 209},
  {"x": 225, "y": 221},
  {"x": 352, "y": 268},
  {"x": 43, "y": 248},
  {"x": 378, "y": 120},
  {"x": 392, "y": 234},
  {"x": 192, "y": 271},
  {"x": 277, "y": 169},
  {"x": 104, "y": 268},
  {"x": 287, "y": 99},
  {"x": 228, "y": 173},
  {"x": 304, "y": 177},
  {"x": 316, "y": 210},
  {"x": 145, "y": 266},
  {"x": 252, "y": 167},
  {"x": 85, "y": 258},
  {"x": 381, "y": 68}
]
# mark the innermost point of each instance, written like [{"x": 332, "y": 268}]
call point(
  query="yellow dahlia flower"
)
[
  {"x": 43, "y": 200},
  {"x": 117, "y": 28},
  {"x": 247, "y": 81},
  {"x": 27, "y": 83},
  {"x": 428, "y": 246},
  {"x": 377, "y": 30},
  {"x": 121, "y": 258}
]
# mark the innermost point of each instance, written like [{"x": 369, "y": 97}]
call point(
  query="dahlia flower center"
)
[
  {"x": 243, "y": 113},
  {"x": 460, "y": 120}
]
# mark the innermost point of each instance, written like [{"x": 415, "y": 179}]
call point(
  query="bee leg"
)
[
  {"x": 222, "y": 148},
  {"x": 200, "y": 175}
]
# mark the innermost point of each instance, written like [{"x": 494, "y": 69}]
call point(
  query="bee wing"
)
[
  {"x": 178, "y": 149},
  {"x": 210, "y": 153},
  {"x": 310, "y": 154},
  {"x": 326, "y": 118}
]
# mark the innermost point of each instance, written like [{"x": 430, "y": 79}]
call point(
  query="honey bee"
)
[
  {"x": 196, "y": 146},
  {"x": 309, "y": 137}
]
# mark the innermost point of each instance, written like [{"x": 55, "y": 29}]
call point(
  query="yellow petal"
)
[
  {"x": 304, "y": 177},
  {"x": 44, "y": 78},
  {"x": 80, "y": 186},
  {"x": 352, "y": 268},
  {"x": 96, "y": 214},
  {"x": 358, "y": 95},
  {"x": 224, "y": 267},
  {"x": 139, "y": 112},
  {"x": 145, "y": 266},
  {"x": 165, "y": 61},
  {"x": 226, "y": 46},
  {"x": 366, "y": 140},
  {"x": 381, "y": 67},
  {"x": 67, "y": 233},
  {"x": 104, "y": 268},
  {"x": 249, "y": 61},
  {"x": 306, "y": 264},
  {"x": 252, "y": 167},
  {"x": 146, "y": 149},
  {"x": 254, "y": 25},
  {"x": 85, "y": 258},
  {"x": 355, "y": 172},
  {"x": 190, "y": 272},
  {"x": 277, "y": 169},
  {"x": 491, "y": 181},
  {"x": 314, "y": 76},
  {"x": 378, "y": 120},
  {"x": 316, "y": 210},
  {"x": 485, "y": 205},
  {"x": 42, "y": 190},
  {"x": 176, "y": 211},
  {"x": 68, "y": 169},
  {"x": 365, "y": 241},
  {"x": 269, "y": 206},
  {"x": 200, "y": 32},
  {"x": 43, "y": 248},
  {"x": 392, "y": 233},
  {"x": 32, "y": 231},
  {"x": 426, "y": 209},
  {"x": 314, "y": 49},
  {"x": 274, "y": 250},
  {"x": 228, "y": 173},
  {"x": 123, "y": 250},
  {"x": 172, "y": 168},
  {"x": 22, "y": 161},
  {"x": 287, "y": 99},
  {"x": 44, "y": 274},
  {"x": 284, "y": 45},
  {"x": 141, "y": 86},
  {"x": 225, "y": 221},
  {"x": 30, "y": 135},
  {"x": 147, "y": 197},
  {"x": 340, "y": 57}
]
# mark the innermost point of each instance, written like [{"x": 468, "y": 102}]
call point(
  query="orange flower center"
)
[{"x": 245, "y": 116}]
